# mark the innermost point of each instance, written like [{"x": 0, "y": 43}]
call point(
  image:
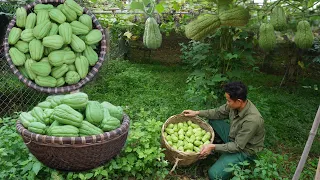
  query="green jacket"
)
[{"x": 247, "y": 131}]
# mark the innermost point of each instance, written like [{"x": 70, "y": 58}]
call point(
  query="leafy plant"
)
[
  {"x": 214, "y": 63},
  {"x": 265, "y": 167},
  {"x": 146, "y": 6},
  {"x": 9, "y": 8},
  {"x": 142, "y": 157},
  {"x": 239, "y": 170},
  {"x": 204, "y": 79},
  {"x": 16, "y": 162}
]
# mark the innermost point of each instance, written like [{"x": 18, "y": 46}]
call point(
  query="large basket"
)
[
  {"x": 76, "y": 153},
  {"x": 175, "y": 156},
  {"x": 101, "y": 50}
]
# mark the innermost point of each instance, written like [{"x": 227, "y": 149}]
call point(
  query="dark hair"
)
[{"x": 236, "y": 90}]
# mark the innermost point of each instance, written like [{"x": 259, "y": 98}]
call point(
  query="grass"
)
[
  {"x": 135, "y": 86},
  {"x": 288, "y": 112},
  {"x": 159, "y": 90}
]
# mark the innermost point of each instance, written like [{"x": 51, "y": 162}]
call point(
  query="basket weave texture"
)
[
  {"x": 76, "y": 153},
  {"x": 103, "y": 49},
  {"x": 175, "y": 156}
]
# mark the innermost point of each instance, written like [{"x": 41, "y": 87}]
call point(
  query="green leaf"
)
[
  {"x": 311, "y": 3},
  {"x": 159, "y": 7},
  {"x": 104, "y": 173},
  {"x": 146, "y": 2},
  {"x": 36, "y": 167},
  {"x": 128, "y": 149},
  {"x": 218, "y": 78},
  {"x": 264, "y": 172},
  {"x": 119, "y": 5},
  {"x": 228, "y": 169},
  {"x": 176, "y": 6},
  {"x": 234, "y": 73},
  {"x": 69, "y": 176},
  {"x": 315, "y": 87},
  {"x": 23, "y": 163},
  {"x": 230, "y": 56},
  {"x": 247, "y": 171},
  {"x": 81, "y": 176},
  {"x": 246, "y": 163},
  {"x": 317, "y": 59},
  {"x": 136, "y": 5},
  {"x": 27, "y": 167},
  {"x": 89, "y": 175},
  {"x": 131, "y": 158}
]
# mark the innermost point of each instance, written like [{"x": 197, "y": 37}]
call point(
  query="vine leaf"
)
[
  {"x": 136, "y": 5},
  {"x": 159, "y": 7}
]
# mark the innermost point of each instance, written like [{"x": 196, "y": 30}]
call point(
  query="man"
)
[{"x": 242, "y": 138}]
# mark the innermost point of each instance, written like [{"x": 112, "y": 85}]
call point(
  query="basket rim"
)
[
  {"x": 176, "y": 150},
  {"x": 67, "y": 88},
  {"x": 82, "y": 140}
]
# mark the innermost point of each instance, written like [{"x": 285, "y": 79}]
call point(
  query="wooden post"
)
[
  {"x": 308, "y": 145},
  {"x": 317, "y": 177}
]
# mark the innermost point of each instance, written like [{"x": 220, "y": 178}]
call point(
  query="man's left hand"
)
[{"x": 206, "y": 150}]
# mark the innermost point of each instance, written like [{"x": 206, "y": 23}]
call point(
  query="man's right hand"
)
[{"x": 190, "y": 113}]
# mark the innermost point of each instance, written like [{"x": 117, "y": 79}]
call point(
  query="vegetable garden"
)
[{"x": 100, "y": 79}]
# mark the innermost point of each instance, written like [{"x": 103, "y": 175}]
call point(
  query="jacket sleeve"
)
[
  {"x": 247, "y": 131},
  {"x": 221, "y": 112}
]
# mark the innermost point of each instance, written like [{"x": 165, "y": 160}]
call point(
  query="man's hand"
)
[
  {"x": 190, "y": 113},
  {"x": 206, "y": 150}
]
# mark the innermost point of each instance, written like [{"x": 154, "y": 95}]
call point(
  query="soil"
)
[
  {"x": 168, "y": 54},
  {"x": 3, "y": 27}
]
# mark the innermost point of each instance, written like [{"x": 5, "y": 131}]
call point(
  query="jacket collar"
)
[{"x": 245, "y": 109}]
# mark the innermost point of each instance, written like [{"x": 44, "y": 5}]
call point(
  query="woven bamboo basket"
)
[
  {"x": 102, "y": 50},
  {"x": 174, "y": 156},
  {"x": 76, "y": 153}
]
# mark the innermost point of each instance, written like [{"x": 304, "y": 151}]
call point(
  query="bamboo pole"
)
[
  {"x": 308, "y": 145},
  {"x": 318, "y": 172}
]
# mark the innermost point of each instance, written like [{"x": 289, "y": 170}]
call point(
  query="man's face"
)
[{"x": 231, "y": 103}]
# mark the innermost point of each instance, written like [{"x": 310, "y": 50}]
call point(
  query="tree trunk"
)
[
  {"x": 293, "y": 66},
  {"x": 267, "y": 61},
  {"x": 291, "y": 69},
  {"x": 225, "y": 46}
]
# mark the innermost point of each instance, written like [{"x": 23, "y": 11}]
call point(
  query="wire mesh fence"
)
[{"x": 15, "y": 96}]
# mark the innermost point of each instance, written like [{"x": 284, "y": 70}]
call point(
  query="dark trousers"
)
[{"x": 216, "y": 171}]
